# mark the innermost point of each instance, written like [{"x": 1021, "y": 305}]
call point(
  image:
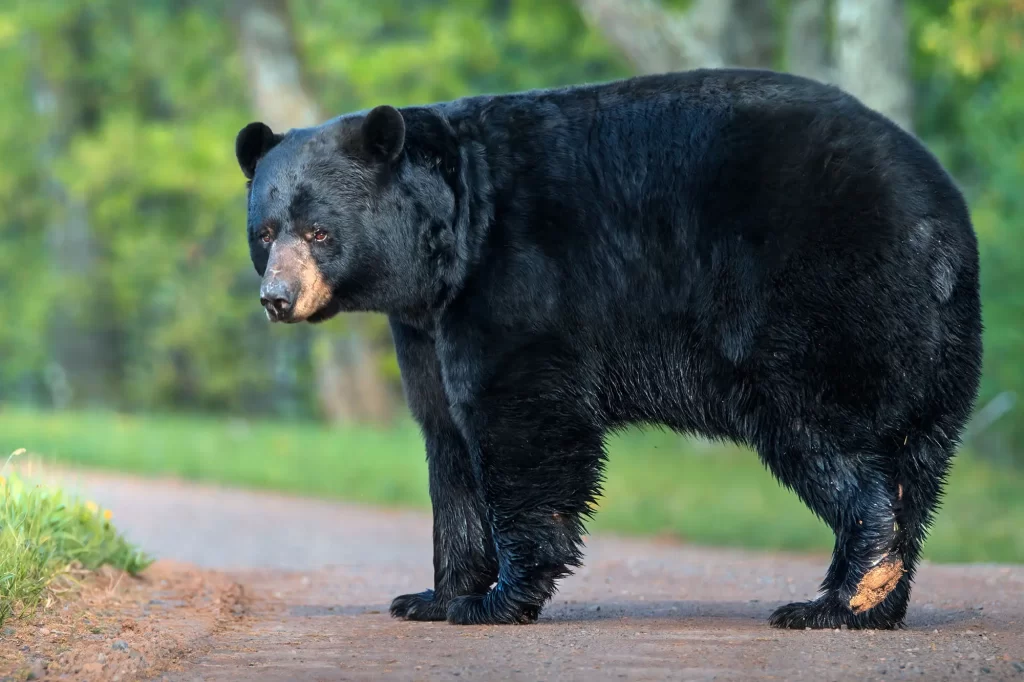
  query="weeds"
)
[{"x": 45, "y": 535}]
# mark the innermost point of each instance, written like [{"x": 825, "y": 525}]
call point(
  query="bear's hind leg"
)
[{"x": 879, "y": 516}]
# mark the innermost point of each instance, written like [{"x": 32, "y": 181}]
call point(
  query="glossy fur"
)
[{"x": 740, "y": 254}]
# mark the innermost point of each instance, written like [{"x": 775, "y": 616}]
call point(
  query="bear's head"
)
[{"x": 342, "y": 216}]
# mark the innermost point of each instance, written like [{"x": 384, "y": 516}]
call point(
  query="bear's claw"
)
[
  {"x": 490, "y": 609},
  {"x": 421, "y": 606},
  {"x": 830, "y": 613}
]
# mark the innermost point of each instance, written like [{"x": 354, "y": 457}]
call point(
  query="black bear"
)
[{"x": 736, "y": 253}]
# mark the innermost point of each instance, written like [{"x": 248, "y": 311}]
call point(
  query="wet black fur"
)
[{"x": 740, "y": 254}]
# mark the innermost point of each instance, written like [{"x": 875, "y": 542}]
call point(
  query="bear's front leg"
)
[
  {"x": 532, "y": 427},
  {"x": 464, "y": 558},
  {"x": 464, "y": 562}
]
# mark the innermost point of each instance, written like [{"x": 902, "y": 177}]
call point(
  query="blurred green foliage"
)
[
  {"x": 129, "y": 110},
  {"x": 974, "y": 118},
  {"x": 122, "y": 114}
]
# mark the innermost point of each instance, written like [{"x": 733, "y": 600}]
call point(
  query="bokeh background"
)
[{"x": 130, "y": 333}]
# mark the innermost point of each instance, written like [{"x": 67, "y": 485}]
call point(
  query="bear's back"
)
[
  {"x": 658, "y": 177},
  {"x": 680, "y": 159}
]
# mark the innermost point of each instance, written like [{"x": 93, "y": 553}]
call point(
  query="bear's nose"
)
[{"x": 277, "y": 298}]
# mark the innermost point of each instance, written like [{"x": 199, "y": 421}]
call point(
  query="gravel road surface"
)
[{"x": 318, "y": 577}]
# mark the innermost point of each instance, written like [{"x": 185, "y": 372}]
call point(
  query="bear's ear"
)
[
  {"x": 384, "y": 133},
  {"x": 252, "y": 144}
]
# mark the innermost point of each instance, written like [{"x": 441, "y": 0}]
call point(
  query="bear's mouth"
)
[
  {"x": 325, "y": 312},
  {"x": 300, "y": 313},
  {"x": 275, "y": 318}
]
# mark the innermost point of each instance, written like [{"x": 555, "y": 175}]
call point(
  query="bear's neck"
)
[{"x": 436, "y": 136}]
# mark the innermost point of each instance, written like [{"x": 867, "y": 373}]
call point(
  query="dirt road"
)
[{"x": 318, "y": 578}]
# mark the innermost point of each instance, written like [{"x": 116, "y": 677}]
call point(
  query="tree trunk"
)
[
  {"x": 750, "y": 38},
  {"x": 872, "y": 56},
  {"x": 807, "y": 44},
  {"x": 711, "y": 33},
  {"x": 84, "y": 366},
  {"x": 350, "y": 386},
  {"x": 273, "y": 66}
]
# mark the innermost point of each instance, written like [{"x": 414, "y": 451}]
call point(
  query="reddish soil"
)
[
  {"x": 639, "y": 610},
  {"x": 111, "y": 626}
]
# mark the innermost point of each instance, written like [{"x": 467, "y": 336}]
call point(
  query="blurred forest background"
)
[{"x": 127, "y": 287}]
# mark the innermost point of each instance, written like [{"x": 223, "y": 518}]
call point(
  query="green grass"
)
[
  {"x": 658, "y": 483},
  {"x": 43, "y": 534}
]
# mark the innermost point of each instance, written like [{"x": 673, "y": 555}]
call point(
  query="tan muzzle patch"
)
[
  {"x": 293, "y": 262},
  {"x": 876, "y": 585}
]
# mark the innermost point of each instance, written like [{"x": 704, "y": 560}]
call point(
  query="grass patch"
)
[
  {"x": 44, "y": 534},
  {"x": 657, "y": 482}
]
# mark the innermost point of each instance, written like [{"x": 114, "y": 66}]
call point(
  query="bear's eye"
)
[{"x": 319, "y": 234}]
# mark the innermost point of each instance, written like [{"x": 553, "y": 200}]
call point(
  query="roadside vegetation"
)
[
  {"x": 657, "y": 484},
  {"x": 48, "y": 538}
]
